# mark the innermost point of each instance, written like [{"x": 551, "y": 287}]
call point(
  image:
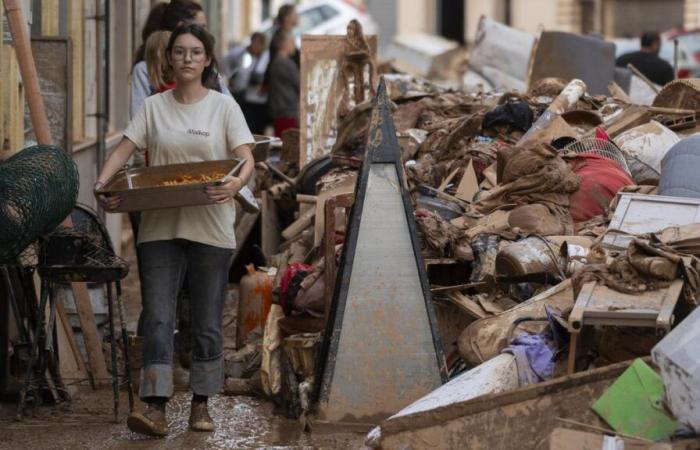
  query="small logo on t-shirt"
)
[{"x": 198, "y": 132}]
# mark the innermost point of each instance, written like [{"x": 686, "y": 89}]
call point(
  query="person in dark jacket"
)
[
  {"x": 283, "y": 86},
  {"x": 647, "y": 60}
]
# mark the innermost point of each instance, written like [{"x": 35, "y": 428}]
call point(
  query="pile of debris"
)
[{"x": 558, "y": 234}]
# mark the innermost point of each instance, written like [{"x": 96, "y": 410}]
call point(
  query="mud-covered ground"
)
[{"x": 87, "y": 422}]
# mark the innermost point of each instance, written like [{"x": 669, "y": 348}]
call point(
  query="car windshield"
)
[{"x": 308, "y": 20}]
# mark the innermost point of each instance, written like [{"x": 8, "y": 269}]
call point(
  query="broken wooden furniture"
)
[
  {"x": 321, "y": 92},
  {"x": 356, "y": 58},
  {"x": 381, "y": 348},
  {"x": 598, "y": 305},
  {"x": 640, "y": 213},
  {"x": 341, "y": 201}
]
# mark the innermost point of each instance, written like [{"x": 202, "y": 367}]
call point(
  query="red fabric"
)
[
  {"x": 287, "y": 279},
  {"x": 601, "y": 178},
  {"x": 284, "y": 123},
  {"x": 601, "y": 134},
  {"x": 167, "y": 87}
]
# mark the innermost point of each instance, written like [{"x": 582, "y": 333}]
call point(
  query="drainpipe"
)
[{"x": 102, "y": 57}]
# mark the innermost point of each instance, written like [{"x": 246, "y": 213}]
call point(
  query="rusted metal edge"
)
[{"x": 492, "y": 401}]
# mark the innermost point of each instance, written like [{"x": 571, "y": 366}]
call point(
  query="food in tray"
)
[{"x": 192, "y": 179}]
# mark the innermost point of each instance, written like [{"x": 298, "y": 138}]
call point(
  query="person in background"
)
[
  {"x": 286, "y": 21},
  {"x": 154, "y": 22},
  {"x": 283, "y": 89},
  {"x": 247, "y": 83},
  {"x": 172, "y": 15},
  {"x": 647, "y": 60},
  {"x": 158, "y": 68},
  {"x": 189, "y": 123}
]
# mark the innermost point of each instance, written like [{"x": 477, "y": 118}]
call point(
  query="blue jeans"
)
[{"x": 163, "y": 265}]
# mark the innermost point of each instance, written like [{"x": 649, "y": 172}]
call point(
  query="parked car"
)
[
  {"x": 688, "y": 66},
  {"x": 690, "y": 40},
  {"x": 326, "y": 17}
]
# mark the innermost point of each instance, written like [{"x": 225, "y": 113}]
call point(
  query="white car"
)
[{"x": 326, "y": 17}]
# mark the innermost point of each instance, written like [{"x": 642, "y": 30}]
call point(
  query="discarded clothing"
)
[
  {"x": 533, "y": 357},
  {"x": 290, "y": 283},
  {"x": 535, "y": 354},
  {"x": 601, "y": 179},
  {"x": 515, "y": 114}
]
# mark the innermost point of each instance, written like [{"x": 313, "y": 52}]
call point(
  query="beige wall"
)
[
  {"x": 416, "y": 16},
  {"x": 527, "y": 15},
  {"x": 692, "y": 14},
  {"x": 477, "y": 8}
]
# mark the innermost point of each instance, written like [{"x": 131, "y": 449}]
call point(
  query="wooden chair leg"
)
[{"x": 573, "y": 345}]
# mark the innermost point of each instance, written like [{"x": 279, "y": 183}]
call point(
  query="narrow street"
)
[
  {"x": 243, "y": 423},
  {"x": 350, "y": 224}
]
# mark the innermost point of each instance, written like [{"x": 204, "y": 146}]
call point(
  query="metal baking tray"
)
[
  {"x": 262, "y": 146},
  {"x": 139, "y": 188}
]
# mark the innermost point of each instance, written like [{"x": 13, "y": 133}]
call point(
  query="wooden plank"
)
[
  {"x": 448, "y": 179},
  {"x": 346, "y": 187},
  {"x": 270, "y": 226},
  {"x": 469, "y": 185},
  {"x": 12, "y": 104},
  {"x": 49, "y": 17},
  {"x": 321, "y": 93},
  {"x": 303, "y": 222},
  {"x": 71, "y": 362},
  {"x": 91, "y": 336},
  {"x": 468, "y": 305},
  {"x": 618, "y": 93}
]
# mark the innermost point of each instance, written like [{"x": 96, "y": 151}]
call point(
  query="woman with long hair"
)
[{"x": 189, "y": 123}]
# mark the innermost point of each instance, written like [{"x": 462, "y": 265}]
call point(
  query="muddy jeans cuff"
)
[
  {"x": 207, "y": 376},
  {"x": 156, "y": 381}
]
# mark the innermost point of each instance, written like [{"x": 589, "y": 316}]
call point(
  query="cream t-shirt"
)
[{"x": 173, "y": 133}]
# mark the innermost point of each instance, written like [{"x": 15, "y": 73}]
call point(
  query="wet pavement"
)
[{"x": 87, "y": 422}]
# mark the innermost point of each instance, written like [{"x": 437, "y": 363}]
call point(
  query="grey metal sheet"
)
[
  {"x": 386, "y": 357},
  {"x": 568, "y": 56},
  {"x": 382, "y": 347},
  {"x": 639, "y": 213}
]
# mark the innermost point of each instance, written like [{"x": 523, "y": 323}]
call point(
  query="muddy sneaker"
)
[
  {"x": 200, "y": 420},
  {"x": 150, "y": 422}
]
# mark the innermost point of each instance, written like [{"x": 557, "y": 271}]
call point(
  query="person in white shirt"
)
[{"x": 189, "y": 123}]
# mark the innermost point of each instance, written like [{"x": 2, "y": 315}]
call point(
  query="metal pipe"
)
[
  {"x": 562, "y": 103},
  {"x": 675, "y": 58}
]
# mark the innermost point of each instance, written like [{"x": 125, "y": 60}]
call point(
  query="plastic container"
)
[{"x": 255, "y": 300}]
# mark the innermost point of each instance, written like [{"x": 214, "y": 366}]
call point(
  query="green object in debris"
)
[{"x": 633, "y": 404}]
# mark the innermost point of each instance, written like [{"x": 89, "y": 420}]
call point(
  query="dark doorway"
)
[{"x": 451, "y": 19}]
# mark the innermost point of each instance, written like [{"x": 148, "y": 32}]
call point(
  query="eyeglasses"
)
[{"x": 197, "y": 54}]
